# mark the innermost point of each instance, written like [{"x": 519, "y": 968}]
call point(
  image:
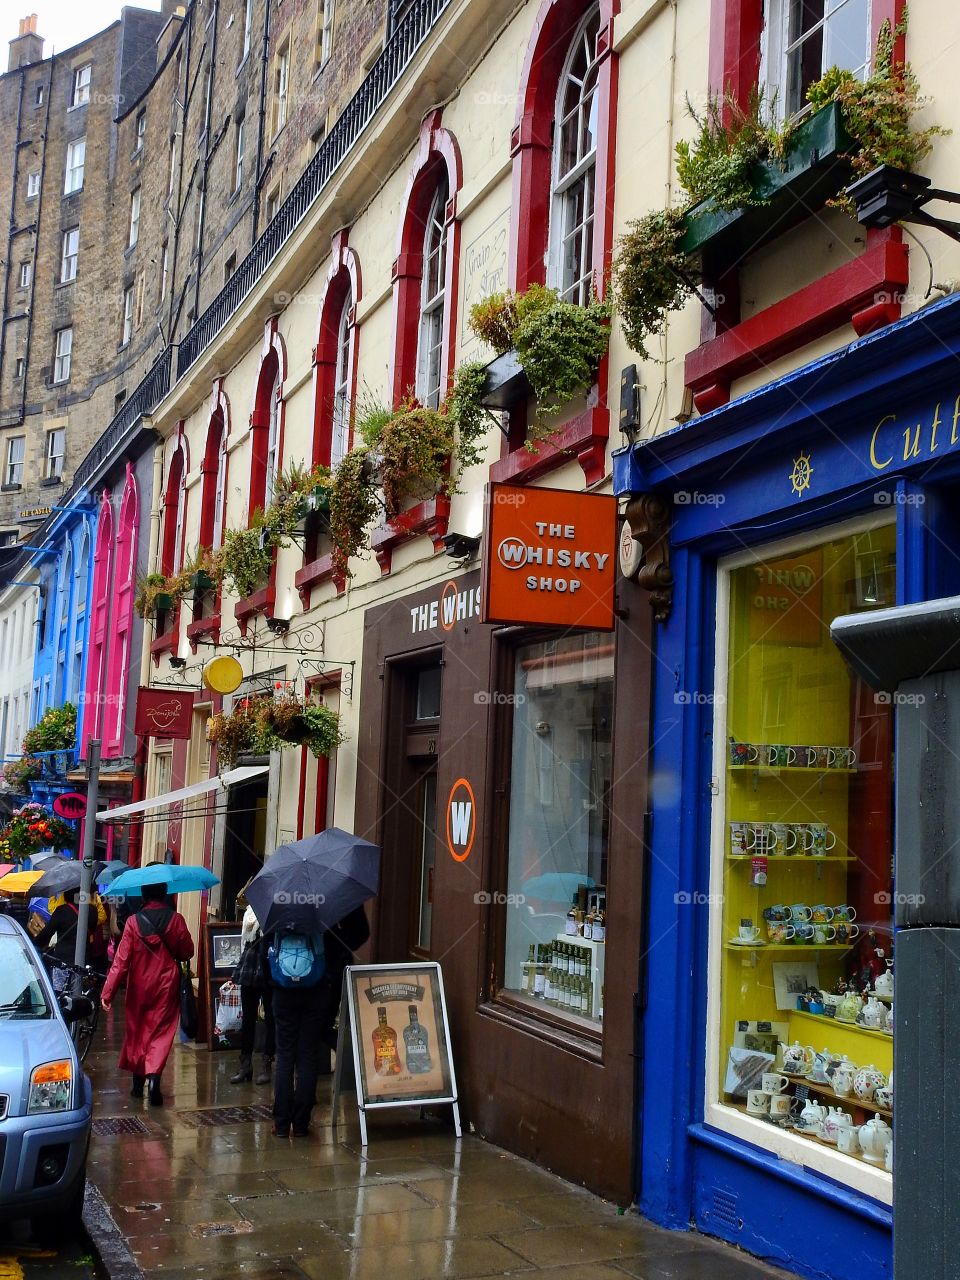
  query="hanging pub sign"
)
[
  {"x": 162, "y": 713},
  {"x": 396, "y": 1023},
  {"x": 549, "y": 557}
]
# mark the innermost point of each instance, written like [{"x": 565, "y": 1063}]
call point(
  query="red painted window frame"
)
[
  {"x": 121, "y": 625},
  {"x": 864, "y": 293},
  {"x": 218, "y": 433},
  {"x": 329, "y": 680},
  {"x": 343, "y": 281}
]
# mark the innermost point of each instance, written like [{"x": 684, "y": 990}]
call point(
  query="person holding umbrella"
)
[
  {"x": 154, "y": 944},
  {"x": 308, "y": 898}
]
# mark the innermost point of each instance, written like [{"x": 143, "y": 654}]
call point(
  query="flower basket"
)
[{"x": 816, "y": 168}]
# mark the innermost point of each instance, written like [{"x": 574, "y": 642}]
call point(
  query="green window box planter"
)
[
  {"x": 201, "y": 582},
  {"x": 162, "y": 603},
  {"x": 815, "y": 169},
  {"x": 317, "y": 501}
]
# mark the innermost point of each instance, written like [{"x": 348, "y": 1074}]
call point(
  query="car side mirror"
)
[{"x": 74, "y": 1008}]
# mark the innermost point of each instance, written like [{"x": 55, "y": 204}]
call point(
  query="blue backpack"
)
[{"x": 297, "y": 959}]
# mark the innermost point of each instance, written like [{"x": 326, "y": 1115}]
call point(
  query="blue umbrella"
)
[
  {"x": 312, "y": 884},
  {"x": 556, "y": 886},
  {"x": 109, "y": 871},
  {"x": 175, "y": 878}
]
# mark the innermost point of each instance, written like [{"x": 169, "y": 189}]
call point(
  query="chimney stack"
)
[{"x": 28, "y": 46}]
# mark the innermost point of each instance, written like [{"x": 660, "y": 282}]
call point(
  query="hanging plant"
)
[
  {"x": 244, "y": 561},
  {"x": 56, "y": 730},
  {"x": 651, "y": 277},
  {"x": 32, "y": 828},
  {"x": 258, "y": 726},
  {"x": 18, "y": 774},
  {"x": 415, "y": 447},
  {"x": 353, "y": 505},
  {"x": 720, "y": 164}
]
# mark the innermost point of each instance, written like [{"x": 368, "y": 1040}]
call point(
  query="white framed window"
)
[
  {"x": 80, "y": 95},
  {"x": 219, "y": 494},
  {"x": 273, "y": 442},
  {"x": 73, "y": 176},
  {"x": 281, "y": 88},
  {"x": 134, "y": 234},
  {"x": 69, "y": 254},
  {"x": 325, "y": 35},
  {"x": 128, "y": 304},
  {"x": 23, "y": 275},
  {"x": 141, "y": 130},
  {"x": 238, "y": 155},
  {"x": 340, "y": 434},
  {"x": 13, "y": 471},
  {"x": 181, "y": 515},
  {"x": 432, "y": 301},
  {"x": 38, "y": 94},
  {"x": 164, "y": 270},
  {"x": 574, "y": 167},
  {"x": 56, "y": 448},
  {"x": 19, "y": 368},
  {"x": 272, "y": 205},
  {"x": 172, "y": 170},
  {"x": 247, "y": 29},
  {"x": 62, "y": 355},
  {"x": 138, "y": 309},
  {"x": 33, "y": 185},
  {"x": 803, "y": 39}
]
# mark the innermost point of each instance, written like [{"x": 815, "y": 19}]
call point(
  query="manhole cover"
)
[
  {"x": 205, "y": 1230},
  {"x": 114, "y": 1126},
  {"x": 225, "y": 1115}
]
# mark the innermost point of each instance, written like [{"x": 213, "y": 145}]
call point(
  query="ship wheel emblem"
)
[{"x": 801, "y": 473}]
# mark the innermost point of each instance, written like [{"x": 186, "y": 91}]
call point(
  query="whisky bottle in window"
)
[
  {"x": 386, "y": 1059},
  {"x": 600, "y": 926},
  {"x": 417, "y": 1045},
  {"x": 540, "y": 974},
  {"x": 571, "y": 926},
  {"x": 548, "y": 985},
  {"x": 528, "y": 972},
  {"x": 588, "y": 923}
]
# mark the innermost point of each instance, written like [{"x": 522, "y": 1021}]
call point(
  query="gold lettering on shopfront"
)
[
  {"x": 874, "y": 460},
  {"x": 911, "y": 451}
]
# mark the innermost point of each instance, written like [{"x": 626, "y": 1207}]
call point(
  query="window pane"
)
[
  {"x": 559, "y": 824},
  {"x": 845, "y": 42},
  {"x": 803, "y": 831},
  {"x": 428, "y": 856},
  {"x": 428, "y": 694}
]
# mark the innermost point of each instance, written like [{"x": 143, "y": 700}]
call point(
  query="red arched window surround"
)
[
  {"x": 438, "y": 155},
  {"x": 342, "y": 287},
  {"x": 267, "y": 415},
  {"x": 213, "y": 469},
  {"x": 175, "y": 507},
  {"x": 99, "y": 620},
  {"x": 119, "y": 646}
]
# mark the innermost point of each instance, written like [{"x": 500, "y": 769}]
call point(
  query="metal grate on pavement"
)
[
  {"x": 215, "y": 1116},
  {"x": 115, "y": 1126}
]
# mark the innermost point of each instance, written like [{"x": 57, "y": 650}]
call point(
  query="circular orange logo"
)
[
  {"x": 461, "y": 820},
  {"x": 448, "y": 615}
]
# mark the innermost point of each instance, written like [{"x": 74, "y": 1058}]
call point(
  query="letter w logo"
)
[{"x": 461, "y": 815}]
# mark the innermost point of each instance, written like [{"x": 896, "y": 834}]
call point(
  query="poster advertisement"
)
[{"x": 399, "y": 1026}]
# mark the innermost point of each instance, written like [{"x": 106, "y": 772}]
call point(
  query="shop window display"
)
[
  {"x": 559, "y": 825},
  {"x": 802, "y": 990}
]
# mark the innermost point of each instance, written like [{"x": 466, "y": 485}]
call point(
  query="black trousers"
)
[
  {"x": 250, "y": 998},
  {"x": 298, "y": 1015}
]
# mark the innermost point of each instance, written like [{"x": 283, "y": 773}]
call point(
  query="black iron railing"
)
[
  {"x": 406, "y": 39},
  {"x": 149, "y": 392}
]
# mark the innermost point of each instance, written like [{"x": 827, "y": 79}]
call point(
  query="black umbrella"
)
[
  {"x": 312, "y": 884},
  {"x": 44, "y": 861},
  {"x": 63, "y": 878}
]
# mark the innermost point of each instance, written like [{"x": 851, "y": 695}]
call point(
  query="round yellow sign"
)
[{"x": 223, "y": 674}]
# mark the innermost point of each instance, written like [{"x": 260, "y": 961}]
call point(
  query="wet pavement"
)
[
  {"x": 206, "y": 1193},
  {"x": 21, "y": 1258}
]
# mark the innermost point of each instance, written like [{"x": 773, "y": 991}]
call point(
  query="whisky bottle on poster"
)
[
  {"x": 386, "y": 1059},
  {"x": 417, "y": 1045}
]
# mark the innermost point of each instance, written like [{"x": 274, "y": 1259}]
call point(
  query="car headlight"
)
[{"x": 50, "y": 1087}]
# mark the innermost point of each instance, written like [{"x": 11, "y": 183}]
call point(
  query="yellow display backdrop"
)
[{"x": 805, "y": 743}]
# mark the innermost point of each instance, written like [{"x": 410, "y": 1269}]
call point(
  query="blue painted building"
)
[{"x": 829, "y": 491}]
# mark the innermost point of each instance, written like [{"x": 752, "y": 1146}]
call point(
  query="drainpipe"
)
[
  {"x": 176, "y": 196},
  {"x": 264, "y": 64},
  {"x": 208, "y": 111},
  {"x": 13, "y": 208},
  {"x": 33, "y": 273}
]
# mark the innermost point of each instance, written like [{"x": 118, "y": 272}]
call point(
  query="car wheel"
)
[{"x": 67, "y": 1222}]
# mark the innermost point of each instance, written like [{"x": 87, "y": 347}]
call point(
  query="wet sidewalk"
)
[{"x": 202, "y": 1190}]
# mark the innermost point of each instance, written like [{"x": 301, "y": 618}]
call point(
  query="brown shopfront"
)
[{"x": 505, "y": 776}]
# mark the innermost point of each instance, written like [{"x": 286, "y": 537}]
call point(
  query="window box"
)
[
  {"x": 507, "y": 383},
  {"x": 10, "y": 488},
  {"x": 816, "y": 168},
  {"x": 162, "y": 603},
  {"x": 201, "y": 582}
]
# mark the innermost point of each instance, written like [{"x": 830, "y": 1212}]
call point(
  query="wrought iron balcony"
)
[
  {"x": 144, "y": 399},
  {"x": 398, "y": 52}
]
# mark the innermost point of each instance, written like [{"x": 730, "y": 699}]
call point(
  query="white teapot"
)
[
  {"x": 867, "y": 1081},
  {"x": 883, "y": 985},
  {"x": 873, "y": 1013},
  {"x": 835, "y": 1120},
  {"x": 875, "y": 1136},
  {"x": 843, "y": 1077},
  {"x": 812, "y": 1116},
  {"x": 797, "y": 1058}
]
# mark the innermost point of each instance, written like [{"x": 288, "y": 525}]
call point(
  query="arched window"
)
[
  {"x": 432, "y": 301},
  {"x": 273, "y": 441},
  {"x": 99, "y": 621},
  {"x": 62, "y": 692},
  {"x": 214, "y": 470},
  {"x": 573, "y": 198},
  {"x": 174, "y": 512},
  {"x": 81, "y": 585},
  {"x": 266, "y": 428},
  {"x": 342, "y": 386},
  {"x": 118, "y": 664}
]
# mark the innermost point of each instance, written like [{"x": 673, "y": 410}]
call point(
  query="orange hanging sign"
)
[{"x": 549, "y": 557}]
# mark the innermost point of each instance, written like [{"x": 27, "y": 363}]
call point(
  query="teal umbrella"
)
[{"x": 174, "y": 878}]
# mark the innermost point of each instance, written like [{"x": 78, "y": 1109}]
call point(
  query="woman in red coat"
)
[{"x": 154, "y": 942}]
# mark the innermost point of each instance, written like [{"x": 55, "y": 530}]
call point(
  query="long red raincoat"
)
[{"x": 153, "y": 942}]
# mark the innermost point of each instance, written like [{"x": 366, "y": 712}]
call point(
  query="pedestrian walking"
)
[
  {"x": 251, "y": 977},
  {"x": 155, "y": 941},
  {"x": 62, "y": 926},
  {"x": 339, "y": 944}
]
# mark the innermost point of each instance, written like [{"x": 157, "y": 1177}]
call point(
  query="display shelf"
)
[
  {"x": 827, "y": 1091},
  {"x": 802, "y": 859},
  {"x": 821, "y": 1018},
  {"x": 597, "y": 955},
  {"x": 812, "y": 1137},
  {"x": 791, "y": 946},
  {"x": 772, "y": 771}
]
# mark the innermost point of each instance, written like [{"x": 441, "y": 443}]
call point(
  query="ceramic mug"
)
[
  {"x": 780, "y": 931},
  {"x": 783, "y": 839},
  {"x": 847, "y": 932},
  {"x": 748, "y": 931},
  {"x": 844, "y": 912},
  {"x": 758, "y": 1102},
  {"x": 743, "y": 752},
  {"x": 777, "y": 755},
  {"x": 821, "y": 913},
  {"x": 741, "y": 838},
  {"x": 804, "y": 933},
  {"x": 762, "y": 837},
  {"x": 818, "y": 839},
  {"x": 844, "y": 758},
  {"x": 780, "y": 1105},
  {"x": 824, "y": 933},
  {"x": 773, "y": 1082},
  {"x": 821, "y": 758},
  {"x": 848, "y": 1140},
  {"x": 800, "y": 912}
]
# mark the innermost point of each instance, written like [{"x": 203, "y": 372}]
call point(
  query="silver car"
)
[{"x": 45, "y": 1098}]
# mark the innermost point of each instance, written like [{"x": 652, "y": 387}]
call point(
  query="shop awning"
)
[{"x": 229, "y": 779}]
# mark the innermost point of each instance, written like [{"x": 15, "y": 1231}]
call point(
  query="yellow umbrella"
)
[{"x": 19, "y": 881}]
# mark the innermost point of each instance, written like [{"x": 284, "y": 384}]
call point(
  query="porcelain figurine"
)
[
  {"x": 875, "y": 1136},
  {"x": 867, "y": 1081}
]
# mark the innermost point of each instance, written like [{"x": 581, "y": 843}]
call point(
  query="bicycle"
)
[{"x": 78, "y": 980}]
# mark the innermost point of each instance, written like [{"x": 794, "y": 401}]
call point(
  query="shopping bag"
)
[
  {"x": 229, "y": 1014},
  {"x": 189, "y": 1017}
]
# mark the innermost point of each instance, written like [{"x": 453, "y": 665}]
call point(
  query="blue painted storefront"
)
[{"x": 878, "y": 424}]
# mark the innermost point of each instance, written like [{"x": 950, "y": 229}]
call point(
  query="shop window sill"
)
[
  {"x": 431, "y": 518},
  {"x": 259, "y": 603},
  {"x": 583, "y": 437},
  {"x": 314, "y": 574},
  {"x": 567, "y": 1035},
  {"x": 815, "y": 169},
  {"x": 204, "y": 630}
]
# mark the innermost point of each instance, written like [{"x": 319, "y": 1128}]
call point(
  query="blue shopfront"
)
[{"x": 767, "y": 1102}]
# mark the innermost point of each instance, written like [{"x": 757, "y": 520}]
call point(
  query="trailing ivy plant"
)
[
  {"x": 353, "y": 505},
  {"x": 651, "y": 277},
  {"x": 242, "y": 563}
]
